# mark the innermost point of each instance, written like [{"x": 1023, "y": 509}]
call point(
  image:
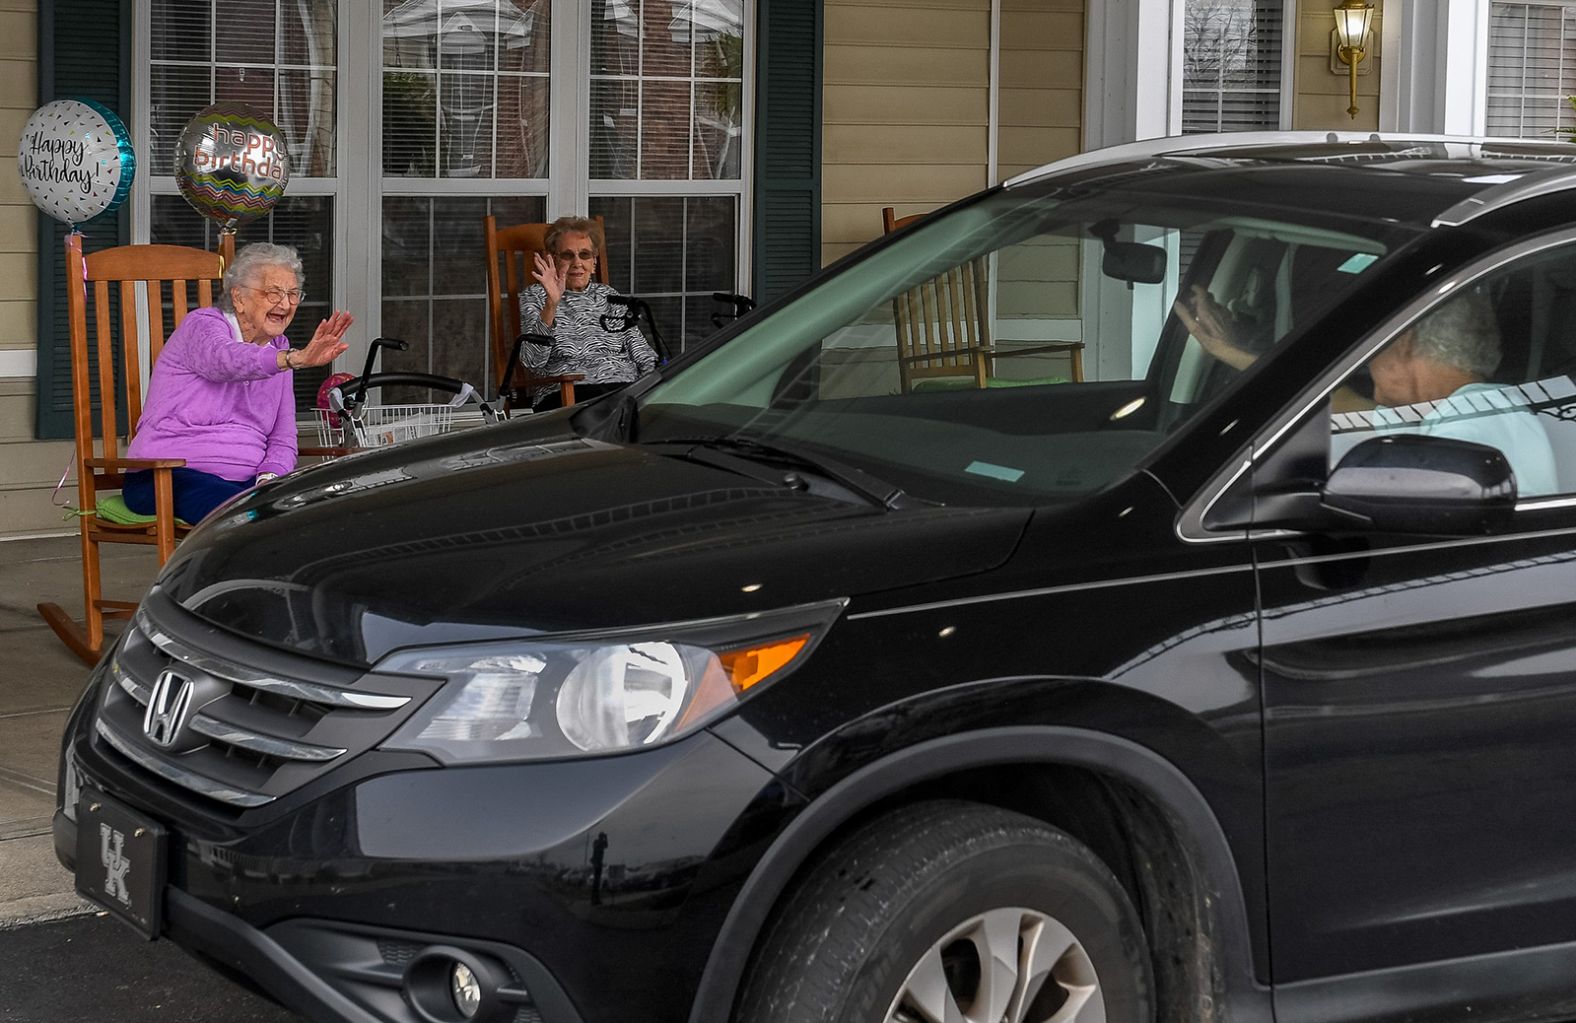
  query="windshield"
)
[{"x": 1021, "y": 349}]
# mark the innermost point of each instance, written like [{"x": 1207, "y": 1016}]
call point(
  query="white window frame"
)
[
  {"x": 1288, "y": 66},
  {"x": 706, "y": 188},
  {"x": 359, "y": 185}
]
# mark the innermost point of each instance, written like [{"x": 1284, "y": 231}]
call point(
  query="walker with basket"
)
[{"x": 349, "y": 422}]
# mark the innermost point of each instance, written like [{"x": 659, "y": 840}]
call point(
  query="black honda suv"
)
[{"x": 1145, "y": 590}]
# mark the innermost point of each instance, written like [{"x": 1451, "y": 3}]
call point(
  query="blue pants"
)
[{"x": 196, "y": 493}]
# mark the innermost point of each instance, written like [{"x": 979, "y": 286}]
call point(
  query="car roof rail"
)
[
  {"x": 1497, "y": 197},
  {"x": 1557, "y": 177}
]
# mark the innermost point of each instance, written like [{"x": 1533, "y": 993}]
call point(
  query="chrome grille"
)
[{"x": 263, "y": 723}]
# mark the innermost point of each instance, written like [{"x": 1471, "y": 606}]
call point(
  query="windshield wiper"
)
[{"x": 872, "y": 488}]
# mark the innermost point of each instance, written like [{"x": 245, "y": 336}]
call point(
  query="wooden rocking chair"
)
[
  {"x": 111, "y": 358},
  {"x": 509, "y": 263},
  {"x": 944, "y": 327}
]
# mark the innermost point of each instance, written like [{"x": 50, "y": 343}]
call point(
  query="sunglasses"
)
[{"x": 584, "y": 255}]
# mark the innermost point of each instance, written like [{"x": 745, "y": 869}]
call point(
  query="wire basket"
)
[{"x": 381, "y": 425}]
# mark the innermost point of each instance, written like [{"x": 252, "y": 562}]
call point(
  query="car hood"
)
[{"x": 447, "y": 540}]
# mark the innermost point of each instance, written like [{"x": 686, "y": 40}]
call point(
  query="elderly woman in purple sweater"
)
[{"x": 220, "y": 394}]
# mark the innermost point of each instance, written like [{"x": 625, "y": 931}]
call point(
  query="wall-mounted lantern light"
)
[{"x": 1349, "y": 41}]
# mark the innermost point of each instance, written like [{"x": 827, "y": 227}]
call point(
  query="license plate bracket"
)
[{"x": 121, "y": 861}]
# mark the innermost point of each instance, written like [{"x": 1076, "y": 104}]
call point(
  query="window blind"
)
[
  {"x": 1531, "y": 69},
  {"x": 1231, "y": 65}
]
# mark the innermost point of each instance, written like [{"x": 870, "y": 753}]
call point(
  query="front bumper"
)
[{"x": 597, "y": 887}]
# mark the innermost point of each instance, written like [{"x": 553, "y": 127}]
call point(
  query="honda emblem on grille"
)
[{"x": 167, "y": 706}]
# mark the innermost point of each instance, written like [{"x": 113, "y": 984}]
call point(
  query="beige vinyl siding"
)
[
  {"x": 905, "y": 109},
  {"x": 1040, "y": 119},
  {"x": 1321, "y": 97},
  {"x": 18, "y": 218},
  {"x": 29, "y": 469},
  {"x": 1040, "y": 111}
]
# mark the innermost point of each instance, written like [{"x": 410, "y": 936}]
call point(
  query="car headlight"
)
[{"x": 571, "y": 695}]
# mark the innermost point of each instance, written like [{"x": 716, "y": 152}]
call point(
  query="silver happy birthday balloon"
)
[{"x": 231, "y": 163}]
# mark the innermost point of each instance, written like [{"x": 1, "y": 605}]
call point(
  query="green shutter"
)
[
  {"x": 84, "y": 52},
  {"x": 787, "y": 146}
]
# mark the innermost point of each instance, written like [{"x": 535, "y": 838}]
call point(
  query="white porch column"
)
[
  {"x": 1132, "y": 48},
  {"x": 1133, "y": 60},
  {"x": 1434, "y": 78}
]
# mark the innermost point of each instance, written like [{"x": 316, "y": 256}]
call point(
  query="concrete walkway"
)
[{"x": 40, "y": 680}]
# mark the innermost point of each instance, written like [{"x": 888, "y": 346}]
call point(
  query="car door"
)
[{"x": 1420, "y": 696}]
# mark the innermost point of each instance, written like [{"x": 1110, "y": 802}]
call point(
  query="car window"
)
[
  {"x": 1022, "y": 349},
  {"x": 1492, "y": 363}
]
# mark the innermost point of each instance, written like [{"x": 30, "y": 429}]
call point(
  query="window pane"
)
[
  {"x": 309, "y": 33},
  {"x": 410, "y": 34},
  {"x": 465, "y": 125},
  {"x": 302, "y": 101},
  {"x": 614, "y": 128},
  {"x": 175, "y": 94},
  {"x": 245, "y": 32},
  {"x": 1231, "y": 65},
  {"x": 666, "y": 85},
  {"x": 668, "y": 313},
  {"x": 711, "y": 243},
  {"x": 484, "y": 112},
  {"x": 459, "y": 343},
  {"x": 719, "y": 129},
  {"x": 458, "y": 247},
  {"x": 658, "y": 238},
  {"x": 410, "y": 321},
  {"x": 406, "y": 244},
  {"x": 522, "y": 127},
  {"x": 674, "y": 252},
  {"x": 523, "y": 34},
  {"x": 308, "y": 103},
  {"x": 253, "y": 86},
  {"x": 665, "y": 42},
  {"x": 664, "y": 130},
  {"x": 618, "y": 220},
  {"x": 180, "y": 29},
  {"x": 435, "y": 285},
  {"x": 615, "y": 37},
  {"x": 410, "y": 124},
  {"x": 719, "y": 39}
]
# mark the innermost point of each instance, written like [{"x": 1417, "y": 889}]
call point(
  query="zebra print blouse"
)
[{"x": 580, "y": 345}]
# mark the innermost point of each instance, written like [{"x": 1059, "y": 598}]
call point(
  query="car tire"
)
[{"x": 892, "y": 924}]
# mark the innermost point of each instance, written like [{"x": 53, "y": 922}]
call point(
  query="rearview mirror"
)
[
  {"x": 1411, "y": 483},
  {"x": 1134, "y": 262}
]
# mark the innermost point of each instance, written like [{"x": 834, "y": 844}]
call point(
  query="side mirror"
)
[{"x": 1410, "y": 483}]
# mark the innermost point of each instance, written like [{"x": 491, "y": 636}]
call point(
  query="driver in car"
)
[{"x": 1432, "y": 379}]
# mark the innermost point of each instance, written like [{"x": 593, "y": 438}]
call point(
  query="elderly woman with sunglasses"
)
[
  {"x": 568, "y": 305},
  {"x": 220, "y": 395}
]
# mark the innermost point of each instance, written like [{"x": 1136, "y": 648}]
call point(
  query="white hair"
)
[
  {"x": 249, "y": 265},
  {"x": 1462, "y": 333}
]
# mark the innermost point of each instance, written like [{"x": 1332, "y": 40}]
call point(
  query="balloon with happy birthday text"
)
[
  {"x": 76, "y": 160},
  {"x": 231, "y": 163}
]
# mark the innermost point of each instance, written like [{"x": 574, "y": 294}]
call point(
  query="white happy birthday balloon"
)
[{"x": 76, "y": 160}]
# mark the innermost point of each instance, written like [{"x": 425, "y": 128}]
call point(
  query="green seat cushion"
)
[{"x": 113, "y": 509}]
